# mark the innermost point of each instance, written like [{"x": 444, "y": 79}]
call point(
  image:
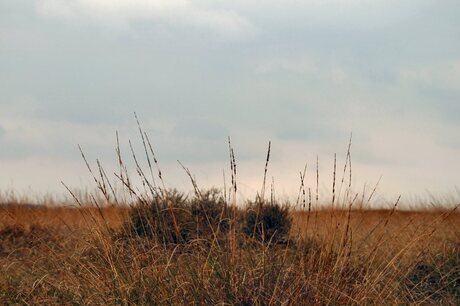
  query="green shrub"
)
[{"x": 267, "y": 222}]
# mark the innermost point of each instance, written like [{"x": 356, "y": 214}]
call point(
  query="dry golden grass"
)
[
  {"x": 391, "y": 231},
  {"x": 52, "y": 255},
  {"x": 72, "y": 218}
]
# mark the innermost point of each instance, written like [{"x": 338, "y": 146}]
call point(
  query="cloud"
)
[
  {"x": 2, "y": 131},
  {"x": 442, "y": 75},
  {"x": 122, "y": 13},
  {"x": 30, "y": 137},
  {"x": 436, "y": 86},
  {"x": 305, "y": 66},
  {"x": 200, "y": 128}
]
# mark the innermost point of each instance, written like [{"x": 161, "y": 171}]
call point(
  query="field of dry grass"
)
[{"x": 56, "y": 255}]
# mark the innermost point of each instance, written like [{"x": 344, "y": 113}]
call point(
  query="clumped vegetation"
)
[
  {"x": 267, "y": 222},
  {"x": 437, "y": 278},
  {"x": 172, "y": 218},
  {"x": 153, "y": 245}
]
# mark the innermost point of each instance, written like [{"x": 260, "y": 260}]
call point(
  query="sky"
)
[{"x": 303, "y": 74}]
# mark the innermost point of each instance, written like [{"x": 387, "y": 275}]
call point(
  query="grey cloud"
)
[
  {"x": 122, "y": 14},
  {"x": 449, "y": 139},
  {"x": 444, "y": 102},
  {"x": 200, "y": 128},
  {"x": 329, "y": 70},
  {"x": 63, "y": 147},
  {"x": 311, "y": 132},
  {"x": 432, "y": 101},
  {"x": 91, "y": 114},
  {"x": 368, "y": 157}
]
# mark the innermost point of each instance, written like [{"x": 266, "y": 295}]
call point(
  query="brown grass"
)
[{"x": 71, "y": 256}]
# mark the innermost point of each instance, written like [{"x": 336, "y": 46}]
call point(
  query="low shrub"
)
[
  {"x": 172, "y": 218},
  {"x": 165, "y": 218},
  {"x": 211, "y": 213},
  {"x": 436, "y": 280},
  {"x": 267, "y": 222}
]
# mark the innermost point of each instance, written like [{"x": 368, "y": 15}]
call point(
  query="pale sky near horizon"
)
[{"x": 303, "y": 74}]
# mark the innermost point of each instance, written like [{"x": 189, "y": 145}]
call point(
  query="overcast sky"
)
[{"x": 303, "y": 74}]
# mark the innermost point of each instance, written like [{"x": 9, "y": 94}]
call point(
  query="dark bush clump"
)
[
  {"x": 210, "y": 213},
  {"x": 171, "y": 218},
  {"x": 268, "y": 222},
  {"x": 437, "y": 280},
  {"x": 165, "y": 218}
]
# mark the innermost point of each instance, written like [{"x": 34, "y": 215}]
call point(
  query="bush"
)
[
  {"x": 165, "y": 218},
  {"x": 267, "y": 222},
  {"x": 171, "y": 218},
  {"x": 210, "y": 213},
  {"x": 436, "y": 280}
]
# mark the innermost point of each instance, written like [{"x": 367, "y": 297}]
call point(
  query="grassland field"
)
[{"x": 91, "y": 256}]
